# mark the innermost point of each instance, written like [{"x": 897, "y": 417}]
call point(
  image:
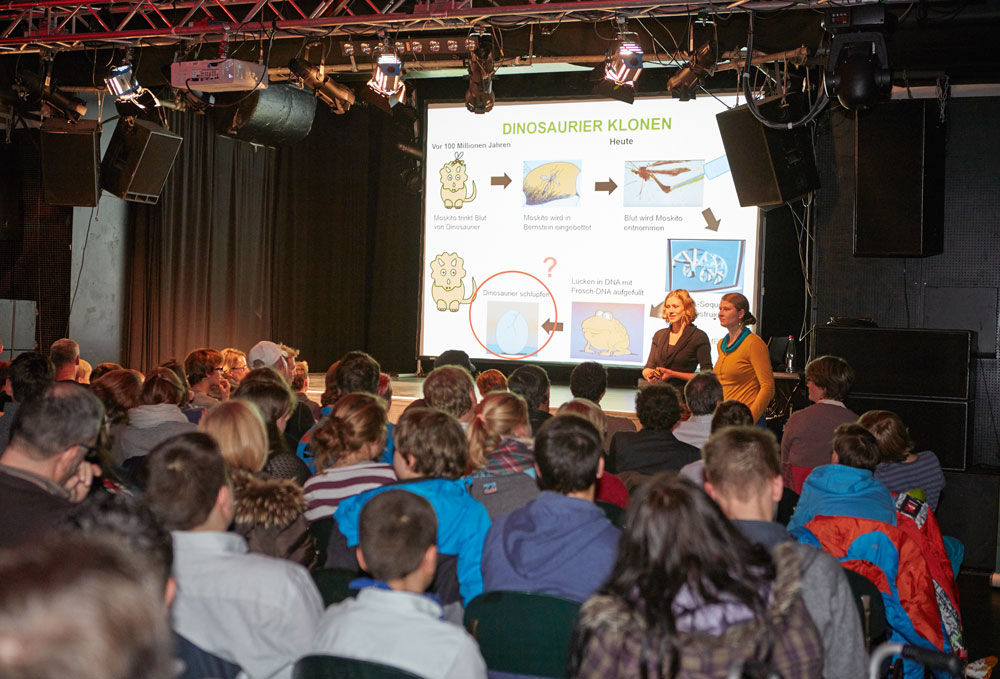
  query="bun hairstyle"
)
[
  {"x": 357, "y": 420},
  {"x": 741, "y": 302}
]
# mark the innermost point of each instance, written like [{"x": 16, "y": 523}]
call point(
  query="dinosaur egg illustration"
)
[{"x": 512, "y": 332}]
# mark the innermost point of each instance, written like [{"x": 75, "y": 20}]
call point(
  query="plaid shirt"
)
[{"x": 509, "y": 457}]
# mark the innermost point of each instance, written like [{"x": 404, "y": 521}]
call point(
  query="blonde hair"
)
[
  {"x": 230, "y": 357},
  {"x": 238, "y": 427},
  {"x": 690, "y": 310},
  {"x": 356, "y": 420},
  {"x": 590, "y": 411},
  {"x": 497, "y": 415}
]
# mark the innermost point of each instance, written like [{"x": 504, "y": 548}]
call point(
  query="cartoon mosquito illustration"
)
[
  {"x": 649, "y": 171},
  {"x": 550, "y": 179}
]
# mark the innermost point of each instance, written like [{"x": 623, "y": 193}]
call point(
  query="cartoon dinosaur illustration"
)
[
  {"x": 453, "y": 179},
  {"x": 605, "y": 334},
  {"x": 448, "y": 290}
]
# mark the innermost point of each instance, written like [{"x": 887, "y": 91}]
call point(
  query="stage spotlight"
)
[
  {"x": 72, "y": 108},
  {"x": 479, "y": 97},
  {"x": 122, "y": 83},
  {"x": 857, "y": 69},
  {"x": 330, "y": 92},
  {"x": 684, "y": 84},
  {"x": 387, "y": 74},
  {"x": 624, "y": 65}
]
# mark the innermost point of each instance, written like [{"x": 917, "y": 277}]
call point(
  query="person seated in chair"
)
[
  {"x": 655, "y": 448},
  {"x": 392, "y": 621}
]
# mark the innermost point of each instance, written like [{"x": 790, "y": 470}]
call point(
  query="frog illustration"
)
[
  {"x": 448, "y": 290},
  {"x": 453, "y": 179},
  {"x": 605, "y": 335}
]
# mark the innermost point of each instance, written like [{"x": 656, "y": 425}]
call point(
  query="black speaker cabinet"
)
[
  {"x": 769, "y": 166},
  {"x": 968, "y": 510},
  {"x": 905, "y": 362},
  {"x": 138, "y": 160},
  {"x": 899, "y": 180},
  {"x": 71, "y": 156}
]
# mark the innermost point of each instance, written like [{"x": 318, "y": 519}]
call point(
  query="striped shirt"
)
[
  {"x": 325, "y": 491},
  {"x": 923, "y": 473}
]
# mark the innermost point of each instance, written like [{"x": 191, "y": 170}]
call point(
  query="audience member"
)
[
  {"x": 702, "y": 393},
  {"x": 899, "y": 468},
  {"x": 430, "y": 456},
  {"x": 269, "y": 512},
  {"x": 805, "y": 441},
  {"x": 559, "y": 543},
  {"x": 300, "y": 385},
  {"x": 65, "y": 356},
  {"x": 499, "y": 436},
  {"x": 234, "y": 366},
  {"x": 270, "y": 392},
  {"x": 346, "y": 447},
  {"x": 119, "y": 392},
  {"x": 490, "y": 380},
  {"x": 280, "y": 359},
  {"x": 157, "y": 418},
  {"x": 83, "y": 372},
  {"x": 252, "y": 610},
  {"x": 689, "y": 591},
  {"x": 203, "y": 368},
  {"x": 42, "y": 471},
  {"x": 192, "y": 413},
  {"x": 29, "y": 374},
  {"x": 451, "y": 389},
  {"x": 589, "y": 380},
  {"x": 654, "y": 448},
  {"x": 743, "y": 475},
  {"x": 532, "y": 382},
  {"x": 384, "y": 390},
  {"x": 449, "y": 357},
  {"x": 101, "y": 369},
  {"x": 609, "y": 487},
  {"x": 84, "y": 607},
  {"x": 847, "y": 487},
  {"x": 391, "y": 621},
  {"x": 731, "y": 413}
]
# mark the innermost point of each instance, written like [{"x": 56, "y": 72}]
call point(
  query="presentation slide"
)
[{"x": 553, "y": 230}]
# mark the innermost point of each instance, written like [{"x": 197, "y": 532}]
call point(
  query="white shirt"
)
[
  {"x": 400, "y": 629},
  {"x": 695, "y": 430},
  {"x": 256, "y": 611}
]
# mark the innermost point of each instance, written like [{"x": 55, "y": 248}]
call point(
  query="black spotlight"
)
[{"x": 857, "y": 70}]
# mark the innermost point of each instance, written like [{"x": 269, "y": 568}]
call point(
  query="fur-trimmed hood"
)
[{"x": 266, "y": 502}]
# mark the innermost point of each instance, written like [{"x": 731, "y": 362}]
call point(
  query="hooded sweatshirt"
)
[
  {"x": 555, "y": 544},
  {"x": 839, "y": 490}
]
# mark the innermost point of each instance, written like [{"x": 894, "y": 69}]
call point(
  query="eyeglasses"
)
[{"x": 93, "y": 452}]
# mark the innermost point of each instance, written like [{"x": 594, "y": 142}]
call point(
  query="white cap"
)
[{"x": 267, "y": 353}]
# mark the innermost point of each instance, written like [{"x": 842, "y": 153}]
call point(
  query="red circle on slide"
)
[{"x": 555, "y": 313}]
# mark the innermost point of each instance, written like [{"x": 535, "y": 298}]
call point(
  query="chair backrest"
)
[
  {"x": 870, "y": 605},
  {"x": 333, "y": 584},
  {"x": 321, "y": 530},
  {"x": 523, "y": 632},
  {"x": 503, "y": 493},
  {"x": 335, "y": 667},
  {"x": 614, "y": 513}
]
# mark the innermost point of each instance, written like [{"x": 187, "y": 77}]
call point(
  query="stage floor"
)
[{"x": 407, "y": 388}]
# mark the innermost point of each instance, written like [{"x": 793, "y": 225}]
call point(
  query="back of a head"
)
[
  {"x": 355, "y": 421},
  {"x": 162, "y": 386},
  {"x": 185, "y": 474},
  {"x": 357, "y": 372},
  {"x": 435, "y": 440},
  {"x": 731, "y": 413},
  {"x": 64, "y": 415},
  {"x": 64, "y": 352},
  {"x": 83, "y": 372},
  {"x": 702, "y": 393},
  {"x": 175, "y": 366},
  {"x": 269, "y": 391},
  {"x": 102, "y": 369},
  {"x": 894, "y": 440},
  {"x": 531, "y": 382},
  {"x": 832, "y": 374},
  {"x": 588, "y": 410},
  {"x": 658, "y": 407},
  {"x": 238, "y": 427},
  {"x": 568, "y": 449},
  {"x": 82, "y": 607},
  {"x": 491, "y": 380},
  {"x": 395, "y": 530},
  {"x": 499, "y": 415},
  {"x": 200, "y": 363},
  {"x": 589, "y": 380},
  {"x": 855, "y": 447},
  {"x": 30, "y": 373},
  {"x": 119, "y": 390},
  {"x": 301, "y": 375},
  {"x": 454, "y": 357},
  {"x": 742, "y": 462},
  {"x": 450, "y": 388}
]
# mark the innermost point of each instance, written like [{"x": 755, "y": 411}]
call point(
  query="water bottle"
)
[{"x": 790, "y": 355}]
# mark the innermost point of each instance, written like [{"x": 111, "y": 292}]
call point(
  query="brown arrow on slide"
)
[
  {"x": 503, "y": 181},
  {"x": 608, "y": 186},
  {"x": 548, "y": 326},
  {"x": 711, "y": 223}
]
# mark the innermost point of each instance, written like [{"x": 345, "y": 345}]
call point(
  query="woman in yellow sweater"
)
[{"x": 744, "y": 365}]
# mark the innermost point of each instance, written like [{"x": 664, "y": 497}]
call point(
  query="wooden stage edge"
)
[{"x": 408, "y": 388}]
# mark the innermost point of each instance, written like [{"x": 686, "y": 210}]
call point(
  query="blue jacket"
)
[
  {"x": 462, "y": 526},
  {"x": 839, "y": 490},
  {"x": 553, "y": 545}
]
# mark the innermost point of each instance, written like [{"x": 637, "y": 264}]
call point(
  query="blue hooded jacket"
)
[{"x": 839, "y": 490}]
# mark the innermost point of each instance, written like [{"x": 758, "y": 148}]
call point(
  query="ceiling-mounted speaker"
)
[
  {"x": 278, "y": 116},
  {"x": 71, "y": 158},
  {"x": 138, "y": 160}
]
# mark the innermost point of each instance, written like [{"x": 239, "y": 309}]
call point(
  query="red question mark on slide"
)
[{"x": 552, "y": 265}]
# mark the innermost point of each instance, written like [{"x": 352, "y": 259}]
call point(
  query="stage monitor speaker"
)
[
  {"x": 903, "y": 362},
  {"x": 138, "y": 160},
  {"x": 968, "y": 510},
  {"x": 942, "y": 426},
  {"x": 71, "y": 158},
  {"x": 769, "y": 166},
  {"x": 899, "y": 180}
]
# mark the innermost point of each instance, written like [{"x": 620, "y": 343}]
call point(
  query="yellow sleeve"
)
[{"x": 760, "y": 359}]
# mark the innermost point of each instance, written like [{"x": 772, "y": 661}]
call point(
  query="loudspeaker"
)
[
  {"x": 782, "y": 302},
  {"x": 899, "y": 180},
  {"x": 138, "y": 160},
  {"x": 278, "y": 116},
  {"x": 903, "y": 362},
  {"x": 942, "y": 426},
  {"x": 71, "y": 156},
  {"x": 769, "y": 166},
  {"x": 968, "y": 510}
]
